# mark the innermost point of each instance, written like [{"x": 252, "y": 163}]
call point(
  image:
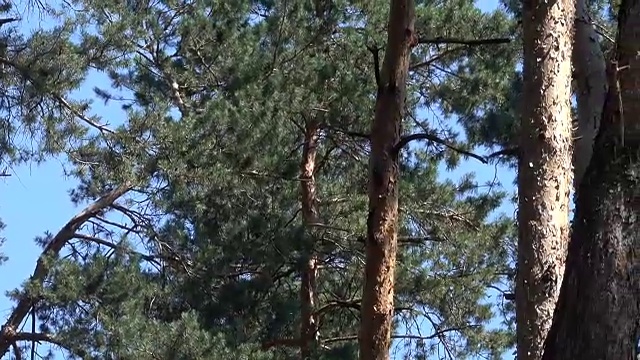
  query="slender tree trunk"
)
[
  {"x": 591, "y": 88},
  {"x": 382, "y": 222},
  {"x": 308, "y": 325},
  {"x": 598, "y": 313},
  {"x": 545, "y": 169}
]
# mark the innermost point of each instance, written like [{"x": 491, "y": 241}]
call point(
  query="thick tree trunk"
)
[
  {"x": 591, "y": 88},
  {"x": 308, "y": 325},
  {"x": 545, "y": 169},
  {"x": 381, "y": 244},
  {"x": 598, "y": 313}
]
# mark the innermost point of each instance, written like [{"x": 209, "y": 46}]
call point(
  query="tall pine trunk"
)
[
  {"x": 308, "y": 325},
  {"x": 545, "y": 169},
  {"x": 598, "y": 313},
  {"x": 381, "y": 245}
]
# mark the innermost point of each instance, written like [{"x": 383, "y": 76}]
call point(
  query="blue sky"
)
[{"x": 35, "y": 198}]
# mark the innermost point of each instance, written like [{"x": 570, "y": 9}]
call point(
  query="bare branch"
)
[
  {"x": 353, "y": 304},
  {"x": 511, "y": 151},
  {"x": 435, "y": 58},
  {"x": 437, "y": 334},
  {"x": 8, "y": 20},
  {"x": 34, "y": 337},
  {"x": 81, "y": 116},
  {"x": 37, "y": 337},
  {"x": 113, "y": 246},
  {"x": 470, "y": 42},
  {"x": 418, "y": 240},
  {"x": 405, "y": 140}
]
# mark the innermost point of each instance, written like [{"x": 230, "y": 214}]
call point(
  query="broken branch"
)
[{"x": 376, "y": 64}]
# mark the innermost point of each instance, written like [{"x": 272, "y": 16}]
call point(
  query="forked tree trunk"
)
[
  {"x": 598, "y": 313},
  {"x": 308, "y": 325},
  {"x": 382, "y": 222},
  {"x": 545, "y": 169}
]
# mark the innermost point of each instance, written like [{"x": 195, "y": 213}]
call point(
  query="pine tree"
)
[
  {"x": 37, "y": 72},
  {"x": 203, "y": 256},
  {"x": 565, "y": 340},
  {"x": 377, "y": 307}
]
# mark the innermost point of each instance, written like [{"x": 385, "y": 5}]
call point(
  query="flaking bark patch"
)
[{"x": 545, "y": 169}]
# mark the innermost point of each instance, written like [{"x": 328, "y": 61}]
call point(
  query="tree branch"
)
[
  {"x": 280, "y": 342},
  {"x": 418, "y": 240},
  {"x": 43, "y": 337},
  {"x": 52, "y": 249},
  {"x": 435, "y": 58},
  {"x": 376, "y": 64},
  {"x": 408, "y": 337},
  {"x": 354, "y": 134},
  {"x": 99, "y": 241},
  {"x": 38, "y": 337},
  {"x": 61, "y": 100},
  {"x": 64, "y": 103},
  {"x": 16, "y": 351},
  {"x": 8, "y": 20},
  {"x": 470, "y": 42},
  {"x": 352, "y": 304},
  {"x": 405, "y": 140},
  {"x": 511, "y": 151}
]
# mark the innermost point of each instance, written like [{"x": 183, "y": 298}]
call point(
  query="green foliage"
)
[
  {"x": 494, "y": 123},
  {"x": 38, "y": 72},
  {"x": 202, "y": 260}
]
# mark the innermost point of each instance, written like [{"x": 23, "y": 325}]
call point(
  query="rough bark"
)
[
  {"x": 308, "y": 325},
  {"x": 598, "y": 313},
  {"x": 381, "y": 244},
  {"x": 591, "y": 88},
  {"x": 545, "y": 169}
]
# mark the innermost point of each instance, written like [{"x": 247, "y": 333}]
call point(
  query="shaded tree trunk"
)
[
  {"x": 598, "y": 312},
  {"x": 308, "y": 325},
  {"x": 382, "y": 222},
  {"x": 591, "y": 88},
  {"x": 545, "y": 169}
]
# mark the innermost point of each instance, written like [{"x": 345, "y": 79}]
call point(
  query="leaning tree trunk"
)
[
  {"x": 545, "y": 173},
  {"x": 598, "y": 313},
  {"x": 381, "y": 244}
]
